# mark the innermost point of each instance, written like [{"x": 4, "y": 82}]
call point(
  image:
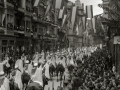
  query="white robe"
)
[
  {"x": 2, "y": 87},
  {"x": 36, "y": 58},
  {"x": 30, "y": 66},
  {"x": 37, "y": 77},
  {"x": 19, "y": 63},
  {"x": 72, "y": 62},
  {"x": 1, "y": 67},
  {"x": 47, "y": 70},
  {"x": 63, "y": 62},
  {"x": 6, "y": 84},
  {"x": 18, "y": 79}
]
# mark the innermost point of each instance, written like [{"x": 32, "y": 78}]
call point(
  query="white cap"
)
[
  {"x": 16, "y": 66},
  {"x": 35, "y": 64},
  {"x": 26, "y": 61},
  {"x": 40, "y": 83}
]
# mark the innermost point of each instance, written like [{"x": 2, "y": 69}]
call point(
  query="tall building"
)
[{"x": 25, "y": 27}]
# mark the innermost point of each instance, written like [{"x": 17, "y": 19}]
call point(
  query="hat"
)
[
  {"x": 16, "y": 66},
  {"x": 35, "y": 64},
  {"x": 27, "y": 62}
]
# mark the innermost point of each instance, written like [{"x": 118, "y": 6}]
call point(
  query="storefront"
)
[{"x": 6, "y": 44}]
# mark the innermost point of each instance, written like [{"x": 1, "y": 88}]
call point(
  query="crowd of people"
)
[
  {"x": 96, "y": 72},
  {"x": 93, "y": 69}
]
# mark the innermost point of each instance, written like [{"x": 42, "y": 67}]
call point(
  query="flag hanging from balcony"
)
[
  {"x": 89, "y": 11},
  {"x": 64, "y": 19},
  {"x": 84, "y": 22},
  {"x": 3, "y": 18},
  {"x": 48, "y": 9},
  {"x": 23, "y": 3},
  {"x": 36, "y": 3},
  {"x": 73, "y": 18},
  {"x": 59, "y": 4},
  {"x": 61, "y": 13},
  {"x": 94, "y": 24},
  {"x": 77, "y": 30}
]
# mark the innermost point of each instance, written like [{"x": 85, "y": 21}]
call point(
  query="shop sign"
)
[{"x": 116, "y": 40}]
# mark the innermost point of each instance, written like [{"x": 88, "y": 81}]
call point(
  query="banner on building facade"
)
[
  {"x": 58, "y": 4},
  {"x": 36, "y": 3},
  {"x": 116, "y": 40},
  {"x": 94, "y": 23},
  {"x": 73, "y": 18},
  {"x": 89, "y": 11}
]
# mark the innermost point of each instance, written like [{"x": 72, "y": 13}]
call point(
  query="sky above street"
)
[{"x": 96, "y": 10}]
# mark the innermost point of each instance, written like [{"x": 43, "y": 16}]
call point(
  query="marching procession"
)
[{"x": 89, "y": 68}]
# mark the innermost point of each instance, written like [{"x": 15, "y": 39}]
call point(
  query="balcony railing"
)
[{"x": 19, "y": 28}]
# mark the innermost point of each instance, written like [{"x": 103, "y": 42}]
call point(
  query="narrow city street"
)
[{"x": 80, "y": 38}]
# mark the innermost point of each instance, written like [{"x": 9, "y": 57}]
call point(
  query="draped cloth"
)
[
  {"x": 19, "y": 63},
  {"x": 68, "y": 61},
  {"x": 6, "y": 84},
  {"x": 37, "y": 77},
  {"x": 30, "y": 67},
  {"x": 1, "y": 67},
  {"x": 63, "y": 62},
  {"x": 57, "y": 59},
  {"x": 41, "y": 60},
  {"x": 18, "y": 79},
  {"x": 71, "y": 61},
  {"x": 36, "y": 58},
  {"x": 2, "y": 87},
  {"x": 53, "y": 61},
  {"x": 47, "y": 70}
]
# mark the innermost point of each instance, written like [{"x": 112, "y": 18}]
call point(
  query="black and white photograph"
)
[{"x": 59, "y": 45}]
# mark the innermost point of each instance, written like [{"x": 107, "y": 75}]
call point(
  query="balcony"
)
[{"x": 19, "y": 29}]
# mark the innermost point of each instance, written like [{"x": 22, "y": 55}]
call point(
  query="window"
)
[
  {"x": 11, "y": 42},
  {"x": 22, "y": 23},
  {"x": 4, "y": 50},
  {"x": 28, "y": 24},
  {"x": 10, "y": 18},
  {"x": 4, "y": 42}
]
